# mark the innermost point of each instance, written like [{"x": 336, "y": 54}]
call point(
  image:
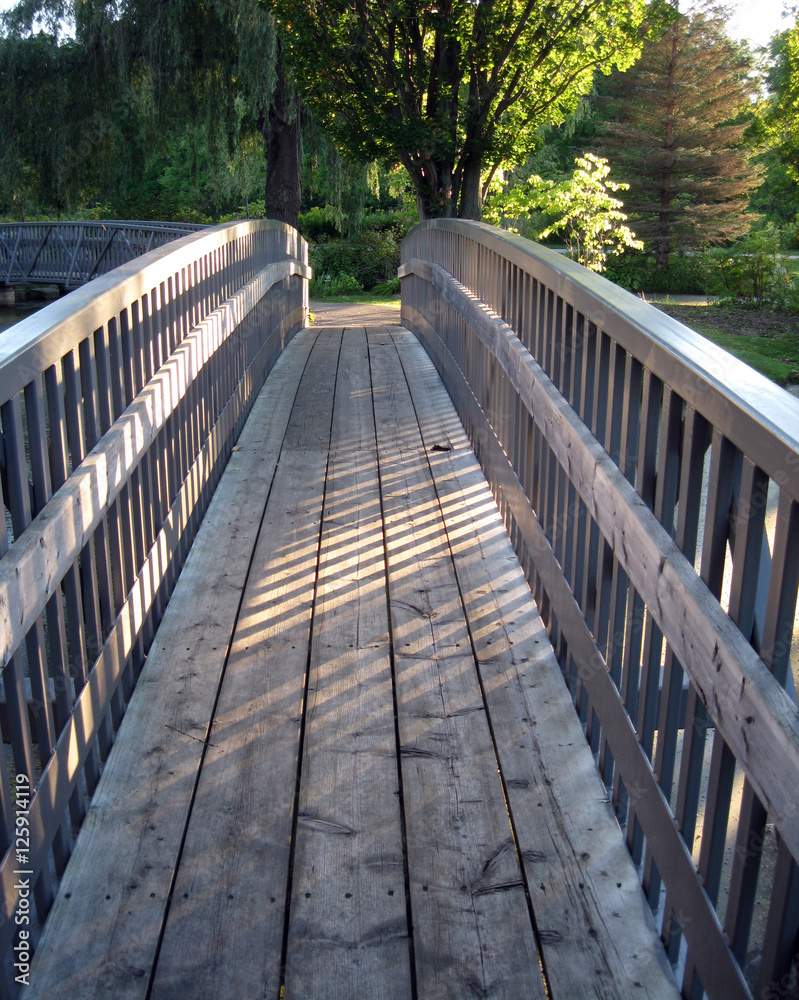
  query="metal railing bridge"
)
[{"x": 69, "y": 254}]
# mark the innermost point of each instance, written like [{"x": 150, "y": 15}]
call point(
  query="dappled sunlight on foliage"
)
[
  {"x": 451, "y": 90},
  {"x": 587, "y": 216}
]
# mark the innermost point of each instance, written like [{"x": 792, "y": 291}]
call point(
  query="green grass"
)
[
  {"x": 766, "y": 340},
  {"x": 361, "y": 298},
  {"x": 775, "y": 357}
]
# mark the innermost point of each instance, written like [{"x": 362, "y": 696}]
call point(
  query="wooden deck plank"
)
[
  {"x": 102, "y": 933},
  {"x": 224, "y": 932},
  {"x": 598, "y": 938},
  {"x": 348, "y": 932},
  {"x": 464, "y": 654},
  {"x": 472, "y": 928}
]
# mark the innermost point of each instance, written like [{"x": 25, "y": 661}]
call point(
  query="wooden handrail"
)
[
  {"x": 120, "y": 406},
  {"x": 597, "y": 420}
]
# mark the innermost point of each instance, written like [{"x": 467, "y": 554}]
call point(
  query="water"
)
[{"x": 9, "y": 315}]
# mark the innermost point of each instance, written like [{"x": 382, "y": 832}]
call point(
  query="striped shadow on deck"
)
[{"x": 351, "y": 768}]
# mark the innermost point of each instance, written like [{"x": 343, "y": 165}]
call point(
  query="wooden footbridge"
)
[{"x": 444, "y": 659}]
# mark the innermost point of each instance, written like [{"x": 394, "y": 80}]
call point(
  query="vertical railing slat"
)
[
  {"x": 778, "y": 961},
  {"x": 669, "y": 428},
  {"x": 67, "y": 409}
]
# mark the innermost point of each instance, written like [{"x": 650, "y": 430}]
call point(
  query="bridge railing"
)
[
  {"x": 71, "y": 253},
  {"x": 650, "y": 483},
  {"x": 120, "y": 405}
]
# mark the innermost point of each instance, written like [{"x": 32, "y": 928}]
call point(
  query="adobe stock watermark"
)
[
  {"x": 24, "y": 875},
  {"x": 787, "y": 986}
]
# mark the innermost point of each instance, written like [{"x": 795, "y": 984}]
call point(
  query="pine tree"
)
[{"x": 675, "y": 132}]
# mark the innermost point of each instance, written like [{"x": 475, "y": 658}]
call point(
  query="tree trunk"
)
[
  {"x": 664, "y": 226},
  {"x": 663, "y": 240},
  {"x": 280, "y": 127},
  {"x": 471, "y": 200},
  {"x": 432, "y": 183}
]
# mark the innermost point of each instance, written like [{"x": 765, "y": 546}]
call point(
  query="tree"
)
[
  {"x": 780, "y": 114},
  {"x": 213, "y": 68},
  {"x": 54, "y": 150},
  {"x": 451, "y": 89},
  {"x": 589, "y": 218},
  {"x": 676, "y": 124},
  {"x": 777, "y": 198}
]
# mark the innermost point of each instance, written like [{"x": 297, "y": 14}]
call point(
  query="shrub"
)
[
  {"x": 752, "y": 272},
  {"x": 391, "y": 287},
  {"x": 398, "y": 224},
  {"x": 326, "y": 285},
  {"x": 319, "y": 224},
  {"x": 686, "y": 274},
  {"x": 370, "y": 257}
]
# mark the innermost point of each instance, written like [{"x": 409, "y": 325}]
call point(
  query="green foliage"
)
[
  {"x": 586, "y": 214},
  {"x": 191, "y": 179},
  {"x": 451, "y": 89},
  {"x": 780, "y": 114},
  {"x": 53, "y": 147},
  {"x": 157, "y": 106},
  {"x": 777, "y": 198},
  {"x": 337, "y": 186},
  {"x": 328, "y": 285},
  {"x": 385, "y": 288},
  {"x": 686, "y": 274},
  {"x": 371, "y": 256},
  {"x": 319, "y": 224},
  {"x": 676, "y": 126},
  {"x": 397, "y": 224},
  {"x": 72, "y": 136},
  {"x": 753, "y": 272},
  {"x": 350, "y": 194}
]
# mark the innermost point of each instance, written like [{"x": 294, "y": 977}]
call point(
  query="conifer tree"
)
[{"x": 675, "y": 132}]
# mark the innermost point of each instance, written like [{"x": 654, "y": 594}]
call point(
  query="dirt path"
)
[{"x": 355, "y": 313}]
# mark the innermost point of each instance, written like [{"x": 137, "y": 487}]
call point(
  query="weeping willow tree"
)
[
  {"x": 152, "y": 70},
  {"x": 42, "y": 149}
]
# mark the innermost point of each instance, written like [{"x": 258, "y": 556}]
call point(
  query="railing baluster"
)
[
  {"x": 667, "y": 423},
  {"x": 71, "y": 616},
  {"x": 779, "y": 959},
  {"x": 89, "y": 380},
  {"x": 69, "y": 254}
]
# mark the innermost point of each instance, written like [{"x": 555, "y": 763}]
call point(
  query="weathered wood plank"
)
[
  {"x": 662, "y": 834},
  {"x": 348, "y": 931},
  {"x": 102, "y": 933},
  {"x": 224, "y": 932},
  {"x": 597, "y": 935},
  {"x": 471, "y": 923}
]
